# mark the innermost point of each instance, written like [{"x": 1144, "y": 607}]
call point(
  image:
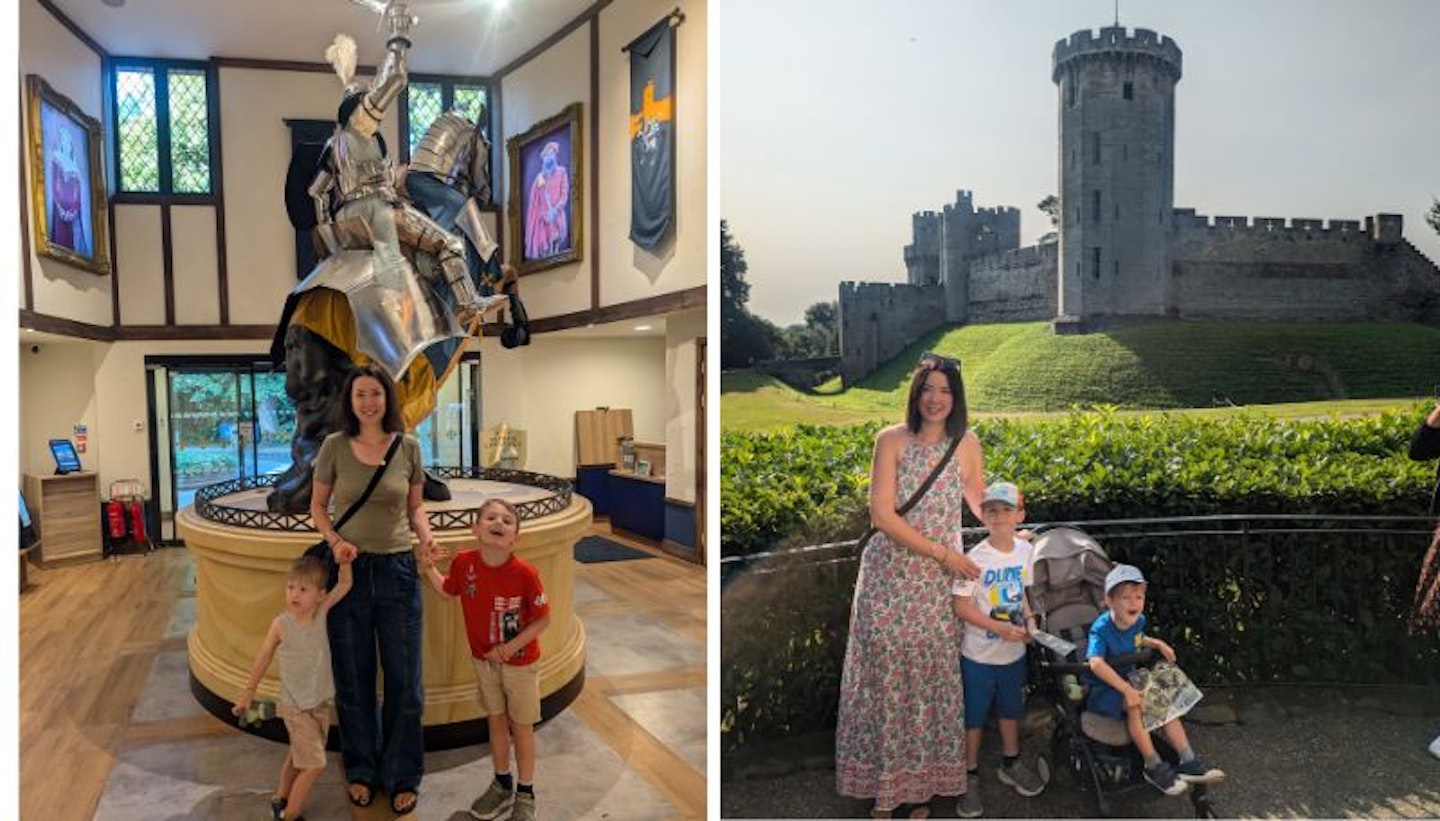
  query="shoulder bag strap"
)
[
  {"x": 924, "y": 486},
  {"x": 374, "y": 480}
]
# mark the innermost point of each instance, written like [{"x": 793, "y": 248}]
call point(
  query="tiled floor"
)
[{"x": 632, "y": 746}]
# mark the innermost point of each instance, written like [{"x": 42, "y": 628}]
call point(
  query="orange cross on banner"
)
[{"x": 651, "y": 110}]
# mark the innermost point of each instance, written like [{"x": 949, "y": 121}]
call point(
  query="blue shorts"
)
[{"x": 1002, "y": 684}]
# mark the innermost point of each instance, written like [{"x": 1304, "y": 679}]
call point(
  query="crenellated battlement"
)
[
  {"x": 1116, "y": 40},
  {"x": 1296, "y": 227}
]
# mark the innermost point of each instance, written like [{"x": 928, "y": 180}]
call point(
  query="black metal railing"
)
[
  {"x": 1245, "y": 599},
  {"x": 207, "y": 506}
]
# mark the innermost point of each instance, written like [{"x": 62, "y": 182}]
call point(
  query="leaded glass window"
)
[
  {"x": 426, "y": 103},
  {"x": 162, "y": 115},
  {"x": 427, "y": 99},
  {"x": 189, "y": 133},
  {"x": 138, "y": 130}
]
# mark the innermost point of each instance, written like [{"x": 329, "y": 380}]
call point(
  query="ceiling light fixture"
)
[
  {"x": 114, "y": 4},
  {"x": 642, "y": 327}
]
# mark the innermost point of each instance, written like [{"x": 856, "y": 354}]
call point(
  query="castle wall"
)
[
  {"x": 877, "y": 321},
  {"x": 1015, "y": 286},
  {"x": 1298, "y": 269}
]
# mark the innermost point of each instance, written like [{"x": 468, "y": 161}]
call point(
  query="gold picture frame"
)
[
  {"x": 67, "y": 180},
  {"x": 545, "y": 210}
]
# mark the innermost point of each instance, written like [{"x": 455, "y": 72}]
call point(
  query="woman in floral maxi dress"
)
[{"x": 900, "y": 737}]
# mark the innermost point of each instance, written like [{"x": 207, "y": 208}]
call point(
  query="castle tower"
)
[{"x": 1117, "y": 170}]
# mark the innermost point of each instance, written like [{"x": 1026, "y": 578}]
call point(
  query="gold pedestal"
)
[{"x": 240, "y": 587}]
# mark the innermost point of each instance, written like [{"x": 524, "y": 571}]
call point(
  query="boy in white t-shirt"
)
[{"x": 992, "y": 655}]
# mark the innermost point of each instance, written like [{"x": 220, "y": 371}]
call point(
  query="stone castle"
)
[{"x": 1122, "y": 251}]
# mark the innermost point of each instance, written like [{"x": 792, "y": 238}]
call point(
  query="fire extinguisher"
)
[
  {"x": 115, "y": 519},
  {"x": 137, "y": 522}
]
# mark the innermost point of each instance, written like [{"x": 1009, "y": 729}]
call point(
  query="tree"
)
[
  {"x": 1051, "y": 207},
  {"x": 743, "y": 338},
  {"x": 1433, "y": 215}
]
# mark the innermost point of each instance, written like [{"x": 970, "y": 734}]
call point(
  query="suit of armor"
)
[{"x": 368, "y": 301}]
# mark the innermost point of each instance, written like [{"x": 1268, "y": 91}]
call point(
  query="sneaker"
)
[
  {"x": 1021, "y": 777},
  {"x": 493, "y": 803},
  {"x": 969, "y": 805},
  {"x": 1196, "y": 771},
  {"x": 1163, "y": 779},
  {"x": 524, "y": 807},
  {"x": 1435, "y": 747}
]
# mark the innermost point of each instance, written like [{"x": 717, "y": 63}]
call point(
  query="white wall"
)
[
  {"x": 72, "y": 69},
  {"x": 539, "y": 387}
]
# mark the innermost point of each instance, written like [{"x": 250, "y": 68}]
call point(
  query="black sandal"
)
[
  {"x": 277, "y": 807},
  {"x": 414, "y": 802},
  {"x": 360, "y": 802}
]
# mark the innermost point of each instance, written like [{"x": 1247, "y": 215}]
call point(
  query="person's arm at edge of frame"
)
[
  {"x": 1425, "y": 442},
  {"x": 883, "y": 472}
]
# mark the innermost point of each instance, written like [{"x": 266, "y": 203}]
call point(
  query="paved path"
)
[{"x": 1289, "y": 752}]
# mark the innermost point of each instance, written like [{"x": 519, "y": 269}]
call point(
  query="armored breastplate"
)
[
  {"x": 445, "y": 149},
  {"x": 360, "y": 168}
]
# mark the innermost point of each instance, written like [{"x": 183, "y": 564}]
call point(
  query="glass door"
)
[
  {"x": 214, "y": 422},
  {"x": 450, "y": 435}
]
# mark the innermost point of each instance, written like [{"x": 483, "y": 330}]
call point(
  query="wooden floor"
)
[{"x": 89, "y": 635}]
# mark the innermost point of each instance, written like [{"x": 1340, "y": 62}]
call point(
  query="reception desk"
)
[{"x": 240, "y": 587}]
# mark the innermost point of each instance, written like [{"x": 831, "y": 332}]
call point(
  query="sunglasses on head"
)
[{"x": 935, "y": 362}]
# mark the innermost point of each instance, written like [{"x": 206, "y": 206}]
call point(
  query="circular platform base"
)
[{"x": 240, "y": 584}]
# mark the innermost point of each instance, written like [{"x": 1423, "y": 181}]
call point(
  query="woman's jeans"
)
[{"x": 381, "y": 746}]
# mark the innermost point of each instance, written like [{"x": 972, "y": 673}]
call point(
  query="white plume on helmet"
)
[{"x": 342, "y": 55}]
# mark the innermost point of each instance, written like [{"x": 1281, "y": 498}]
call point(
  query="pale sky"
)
[{"x": 839, "y": 119}]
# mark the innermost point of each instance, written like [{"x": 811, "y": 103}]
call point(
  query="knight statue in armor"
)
[{"x": 395, "y": 286}]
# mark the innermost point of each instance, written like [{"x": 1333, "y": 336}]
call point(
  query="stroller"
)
[{"x": 1094, "y": 751}]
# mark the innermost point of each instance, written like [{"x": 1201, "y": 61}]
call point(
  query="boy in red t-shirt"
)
[{"x": 505, "y": 613}]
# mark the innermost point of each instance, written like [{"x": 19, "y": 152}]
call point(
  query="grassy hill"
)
[{"x": 1347, "y": 367}]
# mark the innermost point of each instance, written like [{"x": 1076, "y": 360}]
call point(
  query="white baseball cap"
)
[
  {"x": 1122, "y": 573},
  {"x": 1005, "y": 492}
]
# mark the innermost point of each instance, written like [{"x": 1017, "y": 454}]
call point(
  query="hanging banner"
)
[{"x": 652, "y": 134}]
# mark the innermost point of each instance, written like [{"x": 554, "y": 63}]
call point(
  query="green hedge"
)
[{"x": 810, "y": 485}]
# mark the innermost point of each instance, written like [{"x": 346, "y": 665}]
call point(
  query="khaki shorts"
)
[
  {"x": 508, "y": 689},
  {"x": 308, "y": 730}
]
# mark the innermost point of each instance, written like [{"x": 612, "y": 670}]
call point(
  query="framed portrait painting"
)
[
  {"x": 545, "y": 183},
  {"x": 67, "y": 180}
]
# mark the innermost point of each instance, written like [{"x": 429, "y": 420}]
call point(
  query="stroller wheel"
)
[{"x": 1066, "y": 761}]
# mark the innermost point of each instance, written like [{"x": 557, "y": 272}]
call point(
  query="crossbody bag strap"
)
[
  {"x": 930, "y": 480},
  {"x": 374, "y": 480},
  {"x": 922, "y": 490}
]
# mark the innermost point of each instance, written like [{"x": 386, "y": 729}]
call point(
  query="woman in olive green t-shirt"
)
[{"x": 382, "y": 611}]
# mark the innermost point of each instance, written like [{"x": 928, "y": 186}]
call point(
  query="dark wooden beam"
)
[{"x": 65, "y": 327}]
